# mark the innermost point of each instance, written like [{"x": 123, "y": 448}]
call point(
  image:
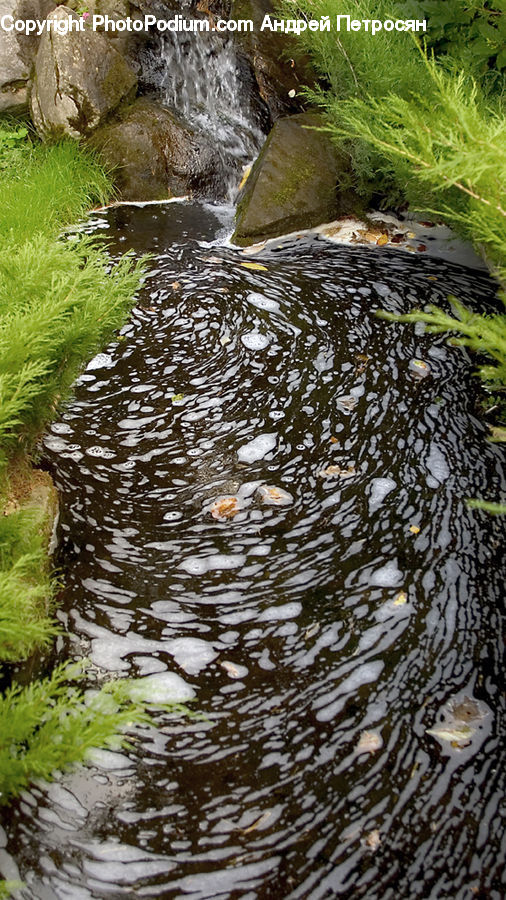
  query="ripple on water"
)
[{"x": 322, "y": 638}]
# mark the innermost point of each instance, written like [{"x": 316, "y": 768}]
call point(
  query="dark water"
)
[{"x": 309, "y": 632}]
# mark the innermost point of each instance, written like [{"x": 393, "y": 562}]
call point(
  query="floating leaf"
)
[
  {"x": 498, "y": 434},
  {"x": 311, "y": 630},
  {"x": 370, "y": 742},
  {"x": 347, "y": 402},
  {"x": 414, "y": 529},
  {"x": 373, "y": 839},
  {"x": 401, "y": 599},
  {"x": 256, "y": 266},
  {"x": 274, "y": 496},
  {"x": 334, "y": 440},
  {"x": 263, "y": 818},
  {"x": 337, "y": 471},
  {"x": 419, "y": 368},
  {"x": 411, "y": 234},
  {"x": 175, "y": 285},
  {"x": 176, "y": 398},
  {"x": 421, "y": 248},
  {"x": 458, "y": 736},
  {"x": 224, "y": 508},
  {"x": 225, "y": 339},
  {"x": 230, "y": 669},
  {"x": 382, "y": 240}
]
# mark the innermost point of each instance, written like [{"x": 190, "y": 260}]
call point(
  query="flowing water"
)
[
  {"x": 322, "y": 635},
  {"x": 203, "y": 83}
]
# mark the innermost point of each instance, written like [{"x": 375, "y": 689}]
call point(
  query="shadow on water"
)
[{"x": 323, "y": 636}]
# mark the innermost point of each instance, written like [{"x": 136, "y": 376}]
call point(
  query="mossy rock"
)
[
  {"x": 298, "y": 181},
  {"x": 154, "y": 155}
]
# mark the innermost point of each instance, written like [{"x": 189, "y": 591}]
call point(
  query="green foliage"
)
[
  {"x": 51, "y": 724},
  {"x": 485, "y": 334},
  {"x": 25, "y": 587},
  {"x": 473, "y": 32},
  {"x": 45, "y": 187},
  {"x": 497, "y": 509},
  {"x": 7, "y": 888},
  {"x": 60, "y": 299}
]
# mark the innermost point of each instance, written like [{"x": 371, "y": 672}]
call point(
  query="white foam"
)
[
  {"x": 199, "y": 565},
  {"x": 100, "y": 361},
  {"x": 192, "y": 654},
  {"x": 388, "y": 576},
  {"x": 254, "y": 340},
  {"x": 163, "y": 687},
  {"x": 380, "y": 487},
  {"x": 257, "y": 448},
  {"x": 262, "y": 302}
]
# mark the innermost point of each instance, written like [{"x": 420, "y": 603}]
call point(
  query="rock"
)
[
  {"x": 297, "y": 182},
  {"x": 278, "y": 66},
  {"x": 79, "y": 79},
  {"x": 15, "y": 55},
  {"x": 155, "y": 155}
]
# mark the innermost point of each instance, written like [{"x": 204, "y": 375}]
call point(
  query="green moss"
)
[{"x": 300, "y": 171}]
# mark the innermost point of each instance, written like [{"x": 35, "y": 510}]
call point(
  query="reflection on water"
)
[{"x": 325, "y": 618}]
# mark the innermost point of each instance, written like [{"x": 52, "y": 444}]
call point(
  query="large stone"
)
[
  {"x": 79, "y": 79},
  {"x": 298, "y": 181},
  {"x": 154, "y": 155},
  {"x": 16, "y": 55}
]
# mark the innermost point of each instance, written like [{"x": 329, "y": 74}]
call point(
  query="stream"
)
[{"x": 263, "y": 508}]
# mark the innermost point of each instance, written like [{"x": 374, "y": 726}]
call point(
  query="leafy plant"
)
[{"x": 473, "y": 32}]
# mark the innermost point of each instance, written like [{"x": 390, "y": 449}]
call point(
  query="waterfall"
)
[{"x": 203, "y": 85}]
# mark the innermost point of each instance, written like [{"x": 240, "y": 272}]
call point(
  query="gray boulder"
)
[
  {"x": 79, "y": 79},
  {"x": 298, "y": 181},
  {"x": 154, "y": 155},
  {"x": 16, "y": 55}
]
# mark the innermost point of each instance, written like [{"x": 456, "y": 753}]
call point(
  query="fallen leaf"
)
[
  {"x": 382, "y": 240},
  {"x": 421, "y": 248},
  {"x": 274, "y": 496},
  {"x": 255, "y": 248},
  {"x": 401, "y": 599},
  {"x": 459, "y": 736},
  {"x": 175, "y": 285},
  {"x": 337, "y": 471},
  {"x": 263, "y": 818},
  {"x": 245, "y": 177},
  {"x": 230, "y": 669},
  {"x": 347, "y": 402},
  {"x": 224, "y": 340},
  {"x": 431, "y": 278},
  {"x": 224, "y": 508},
  {"x": 397, "y": 238},
  {"x": 411, "y": 234},
  {"x": 414, "y": 529},
  {"x": 212, "y": 259},
  {"x": 373, "y": 839},
  {"x": 311, "y": 630},
  {"x": 334, "y": 440},
  {"x": 370, "y": 742},
  {"x": 176, "y": 398},
  {"x": 498, "y": 434},
  {"x": 256, "y": 266},
  {"x": 428, "y": 224}
]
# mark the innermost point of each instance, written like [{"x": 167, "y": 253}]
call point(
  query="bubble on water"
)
[
  {"x": 163, "y": 687},
  {"x": 437, "y": 466},
  {"x": 257, "y": 448},
  {"x": 173, "y": 516},
  {"x": 100, "y": 361},
  {"x": 262, "y": 302},
  {"x": 199, "y": 565},
  {"x": 61, "y": 428},
  {"x": 387, "y": 576},
  {"x": 101, "y": 452},
  {"x": 254, "y": 340},
  {"x": 331, "y": 703},
  {"x": 277, "y": 414},
  {"x": 287, "y": 611},
  {"x": 380, "y": 487},
  {"x": 54, "y": 443},
  {"x": 192, "y": 654}
]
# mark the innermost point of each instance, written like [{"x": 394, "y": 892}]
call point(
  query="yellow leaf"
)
[
  {"x": 245, "y": 177},
  {"x": 401, "y": 599},
  {"x": 382, "y": 240},
  {"x": 498, "y": 434},
  {"x": 256, "y": 266},
  {"x": 414, "y": 529}
]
